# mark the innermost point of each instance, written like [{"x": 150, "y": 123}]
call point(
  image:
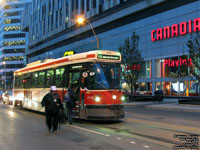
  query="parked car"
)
[{"x": 8, "y": 97}]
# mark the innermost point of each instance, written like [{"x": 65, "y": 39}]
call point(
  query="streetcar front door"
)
[{"x": 74, "y": 78}]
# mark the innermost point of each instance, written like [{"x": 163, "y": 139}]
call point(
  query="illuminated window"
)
[
  {"x": 41, "y": 79},
  {"x": 59, "y": 76},
  {"x": 12, "y": 28},
  {"x": 50, "y": 78},
  {"x": 9, "y": 21},
  {"x": 13, "y": 43},
  {"x": 34, "y": 79},
  {"x": 13, "y": 58}
]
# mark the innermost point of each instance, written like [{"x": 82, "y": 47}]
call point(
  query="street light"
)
[{"x": 81, "y": 20}]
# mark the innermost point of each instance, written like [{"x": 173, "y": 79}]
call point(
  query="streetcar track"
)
[
  {"x": 161, "y": 139},
  {"x": 156, "y": 127}
]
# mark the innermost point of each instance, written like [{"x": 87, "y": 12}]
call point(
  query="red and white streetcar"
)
[{"x": 96, "y": 74}]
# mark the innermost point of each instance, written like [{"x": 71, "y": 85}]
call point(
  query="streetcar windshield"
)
[{"x": 105, "y": 76}]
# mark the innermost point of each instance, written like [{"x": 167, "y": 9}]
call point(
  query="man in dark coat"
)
[
  {"x": 70, "y": 102},
  {"x": 52, "y": 104}
]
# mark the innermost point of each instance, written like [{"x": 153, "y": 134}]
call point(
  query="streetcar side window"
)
[
  {"x": 16, "y": 81},
  {"x": 41, "y": 79},
  {"x": 59, "y": 76},
  {"x": 27, "y": 80},
  {"x": 21, "y": 84},
  {"x": 34, "y": 80},
  {"x": 49, "y": 78}
]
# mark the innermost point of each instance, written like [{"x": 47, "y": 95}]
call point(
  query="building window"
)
[
  {"x": 8, "y": 36},
  {"x": 13, "y": 43},
  {"x": 8, "y": 51},
  {"x": 11, "y": 14},
  {"x": 82, "y": 6},
  {"x": 145, "y": 69},
  {"x": 94, "y": 4},
  {"x": 13, "y": 58},
  {"x": 12, "y": 28},
  {"x": 9, "y": 21},
  {"x": 88, "y": 5}
]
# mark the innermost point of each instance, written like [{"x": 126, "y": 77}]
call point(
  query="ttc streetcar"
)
[{"x": 96, "y": 74}]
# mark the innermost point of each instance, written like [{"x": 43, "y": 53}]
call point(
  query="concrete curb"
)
[{"x": 163, "y": 107}]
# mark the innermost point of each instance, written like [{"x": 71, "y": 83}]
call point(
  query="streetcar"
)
[{"x": 96, "y": 75}]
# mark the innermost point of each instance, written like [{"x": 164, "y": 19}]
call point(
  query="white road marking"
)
[
  {"x": 119, "y": 138},
  {"x": 88, "y": 130},
  {"x": 132, "y": 142},
  {"x": 146, "y": 146}
]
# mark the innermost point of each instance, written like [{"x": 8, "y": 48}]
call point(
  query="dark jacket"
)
[
  {"x": 70, "y": 98},
  {"x": 52, "y": 103}
]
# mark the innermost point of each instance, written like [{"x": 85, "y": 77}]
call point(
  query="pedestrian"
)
[
  {"x": 70, "y": 99},
  {"x": 52, "y": 104}
]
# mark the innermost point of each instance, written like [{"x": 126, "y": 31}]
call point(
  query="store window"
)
[
  {"x": 166, "y": 88},
  {"x": 144, "y": 88},
  {"x": 145, "y": 71},
  {"x": 193, "y": 88}
]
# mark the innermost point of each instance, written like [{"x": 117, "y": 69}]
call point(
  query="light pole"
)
[{"x": 81, "y": 20}]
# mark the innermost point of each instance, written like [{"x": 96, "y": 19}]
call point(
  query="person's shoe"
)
[{"x": 55, "y": 132}]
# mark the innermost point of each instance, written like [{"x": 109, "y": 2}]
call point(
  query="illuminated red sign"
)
[
  {"x": 176, "y": 30},
  {"x": 133, "y": 67},
  {"x": 176, "y": 63}
]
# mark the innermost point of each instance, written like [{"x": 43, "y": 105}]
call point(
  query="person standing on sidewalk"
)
[
  {"x": 52, "y": 104},
  {"x": 70, "y": 99}
]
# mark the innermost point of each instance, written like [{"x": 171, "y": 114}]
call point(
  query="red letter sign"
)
[
  {"x": 196, "y": 24},
  {"x": 183, "y": 28},
  {"x": 174, "y": 30},
  {"x": 152, "y": 35}
]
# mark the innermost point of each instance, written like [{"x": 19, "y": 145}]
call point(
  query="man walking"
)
[
  {"x": 70, "y": 102},
  {"x": 52, "y": 104}
]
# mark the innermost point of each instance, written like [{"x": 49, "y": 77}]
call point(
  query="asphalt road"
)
[{"x": 142, "y": 129}]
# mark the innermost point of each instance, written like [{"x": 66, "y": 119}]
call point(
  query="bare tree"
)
[
  {"x": 194, "y": 52},
  {"x": 132, "y": 60}
]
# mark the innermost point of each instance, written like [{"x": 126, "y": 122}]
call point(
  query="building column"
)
[{"x": 153, "y": 76}]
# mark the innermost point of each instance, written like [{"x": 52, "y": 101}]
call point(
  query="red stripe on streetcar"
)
[{"x": 91, "y": 56}]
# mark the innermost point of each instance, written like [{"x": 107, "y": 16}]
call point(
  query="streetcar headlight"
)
[
  {"x": 97, "y": 99},
  {"x": 114, "y": 97},
  {"x": 123, "y": 98}
]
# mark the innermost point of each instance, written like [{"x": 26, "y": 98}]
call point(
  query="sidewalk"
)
[{"x": 167, "y": 104}]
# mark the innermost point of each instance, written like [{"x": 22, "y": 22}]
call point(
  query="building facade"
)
[
  {"x": 164, "y": 28},
  {"x": 13, "y": 42}
]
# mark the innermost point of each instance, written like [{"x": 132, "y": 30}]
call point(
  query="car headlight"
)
[
  {"x": 114, "y": 97},
  {"x": 123, "y": 98},
  {"x": 97, "y": 99}
]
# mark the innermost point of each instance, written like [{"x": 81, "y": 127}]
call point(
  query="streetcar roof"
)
[{"x": 90, "y": 56}]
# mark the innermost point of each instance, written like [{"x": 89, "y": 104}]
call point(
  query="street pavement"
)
[
  {"x": 141, "y": 129},
  {"x": 167, "y": 104}
]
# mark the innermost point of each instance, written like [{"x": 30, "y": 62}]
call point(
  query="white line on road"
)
[
  {"x": 88, "y": 130},
  {"x": 119, "y": 138},
  {"x": 132, "y": 142},
  {"x": 146, "y": 146}
]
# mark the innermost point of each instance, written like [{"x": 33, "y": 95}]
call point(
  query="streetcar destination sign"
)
[{"x": 113, "y": 57}]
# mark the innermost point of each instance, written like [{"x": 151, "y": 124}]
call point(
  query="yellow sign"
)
[{"x": 67, "y": 53}]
